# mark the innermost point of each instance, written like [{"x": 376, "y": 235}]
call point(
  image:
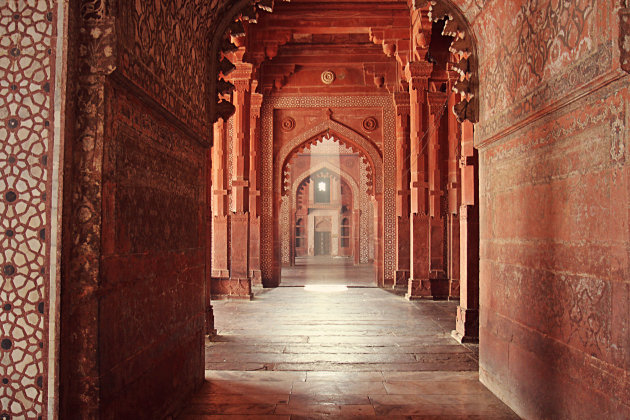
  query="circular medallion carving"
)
[
  {"x": 370, "y": 124},
  {"x": 287, "y": 124},
  {"x": 328, "y": 77}
]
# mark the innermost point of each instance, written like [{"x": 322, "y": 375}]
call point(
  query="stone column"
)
[
  {"x": 254, "y": 188},
  {"x": 467, "y": 326},
  {"x": 356, "y": 235},
  {"x": 277, "y": 241},
  {"x": 240, "y": 282},
  {"x": 334, "y": 234},
  {"x": 311, "y": 230},
  {"x": 417, "y": 74},
  {"x": 453, "y": 199},
  {"x": 378, "y": 239},
  {"x": 401, "y": 101},
  {"x": 220, "y": 271},
  {"x": 439, "y": 282},
  {"x": 292, "y": 220},
  {"x": 208, "y": 283}
]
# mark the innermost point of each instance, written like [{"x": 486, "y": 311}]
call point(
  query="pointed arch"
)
[
  {"x": 342, "y": 134},
  {"x": 333, "y": 168}
]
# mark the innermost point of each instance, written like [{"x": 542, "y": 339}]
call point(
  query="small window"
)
[{"x": 322, "y": 190}]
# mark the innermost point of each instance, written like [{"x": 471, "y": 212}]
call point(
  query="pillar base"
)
[
  {"x": 467, "y": 325},
  {"x": 434, "y": 289},
  {"x": 270, "y": 283},
  {"x": 402, "y": 279},
  {"x": 220, "y": 274},
  {"x": 210, "y": 330},
  {"x": 256, "y": 276},
  {"x": 418, "y": 289},
  {"x": 232, "y": 288}
]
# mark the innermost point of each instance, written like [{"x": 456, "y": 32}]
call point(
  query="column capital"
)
[
  {"x": 241, "y": 76},
  {"x": 402, "y": 102},
  {"x": 436, "y": 101},
  {"x": 418, "y": 71},
  {"x": 256, "y": 100}
]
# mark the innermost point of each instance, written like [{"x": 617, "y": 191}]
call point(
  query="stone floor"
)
[
  {"x": 358, "y": 353},
  {"x": 325, "y": 270}
]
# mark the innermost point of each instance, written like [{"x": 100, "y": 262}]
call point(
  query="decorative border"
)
[
  {"x": 32, "y": 133},
  {"x": 549, "y": 95},
  {"x": 386, "y": 104}
]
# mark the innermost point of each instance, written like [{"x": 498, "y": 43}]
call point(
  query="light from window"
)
[{"x": 321, "y": 186}]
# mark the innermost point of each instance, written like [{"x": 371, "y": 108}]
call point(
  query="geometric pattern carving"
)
[
  {"x": 26, "y": 105},
  {"x": 366, "y": 218}
]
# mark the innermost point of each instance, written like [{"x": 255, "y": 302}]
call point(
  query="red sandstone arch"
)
[{"x": 342, "y": 134}]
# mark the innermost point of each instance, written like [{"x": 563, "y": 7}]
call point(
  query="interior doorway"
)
[{"x": 322, "y": 243}]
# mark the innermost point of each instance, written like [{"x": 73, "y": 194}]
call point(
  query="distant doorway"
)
[{"x": 322, "y": 243}]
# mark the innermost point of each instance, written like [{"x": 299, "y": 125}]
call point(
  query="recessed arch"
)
[
  {"x": 343, "y": 135},
  {"x": 332, "y": 168}
]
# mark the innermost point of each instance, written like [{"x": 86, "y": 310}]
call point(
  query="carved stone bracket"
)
[
  {"x": 418, "y": 73},
  {"x": 462, "y": 48}
]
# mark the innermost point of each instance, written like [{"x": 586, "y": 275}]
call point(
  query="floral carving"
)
[
  {"x": 328, "y": 77},
  {"x": 288, "y": 124},
  {"x": 370, "y": 124}
]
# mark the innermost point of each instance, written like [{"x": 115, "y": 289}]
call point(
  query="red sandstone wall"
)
[
  {"x": 136, "y": 298},
  {"x": 151, "y": 310},
  {"x": 553, "y": 138},
  {"x": 153, "y": 262}
]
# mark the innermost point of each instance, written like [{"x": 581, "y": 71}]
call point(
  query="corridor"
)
[
  {"x": 362, "y": 352},
  {"x": 328, "y": 271}
]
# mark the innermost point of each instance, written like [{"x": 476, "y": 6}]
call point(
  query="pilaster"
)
[
  {"x": 254, "y": 189},
  {"x": 220, "y": 255},
  {"x": 240, "y": 280},
  {"x": 439, "y": 282},
  {"x": 403, "y": 108},
  {"x": 467, "y": 325},
  {"x": 453, "y": 199},
  {"x": 417, "y": 74}
]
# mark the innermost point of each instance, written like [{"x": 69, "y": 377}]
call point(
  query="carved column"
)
[
  {"x": 453, "y": 200},
  {"x": 417, "y": 74},
  {"x": 401, "y": 101},
  {"x": 80, "y": 378},
  {"x": 208, "y": 283},
  {"x": 254, "y": 189},
  {"x": 220, "y": 270},
  {"x": 277, "y": 241},
  {"x": 356, "y": 236},
  {"x": 378, "y": 239},
  {"x": 292, "y": 231},
  {"x": 467, "y": 326},
  {"x": 438, "y": 279},
  {"x": 240, "y": 281}
]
